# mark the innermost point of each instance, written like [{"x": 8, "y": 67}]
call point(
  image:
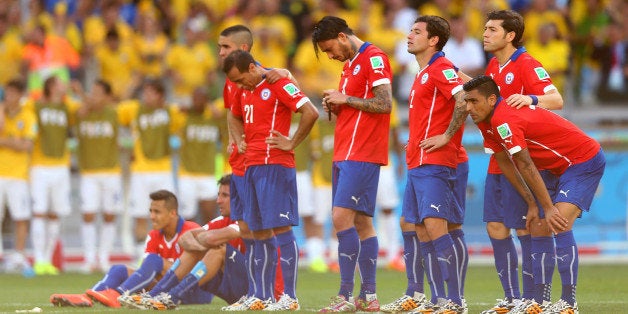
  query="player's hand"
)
[
  {"x": 242, "y": 146},
  {"x": 334, "y": 98},
  {"x": 555, "y": 221},
  {"x": 279, "y": 141},
  {"x": 519, "y": 101},
  {"x": 433, "y": 143},
  {"x": 274, "y": 75},
  {"x": 532, "y": 218}
]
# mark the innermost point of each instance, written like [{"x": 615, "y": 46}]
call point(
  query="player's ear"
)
[{"x": 492, "y": 100}]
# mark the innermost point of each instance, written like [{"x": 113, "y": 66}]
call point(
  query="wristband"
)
[{"x": 535, "y": 100}]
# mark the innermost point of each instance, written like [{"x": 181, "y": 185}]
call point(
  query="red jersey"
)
[
  {"x": 156, "y": 243},
  {"x": 359, "y": 135},
  {"x": 462, "y": 154},
  {"x": 521, "y": 74},
  {"x": 431, "y": 107},
  {"x": 554, "y": 143},
  {"x": 268, "y": 107},
  {"x": 231, "y": 96},
  {"x": 223, "y": 222}
]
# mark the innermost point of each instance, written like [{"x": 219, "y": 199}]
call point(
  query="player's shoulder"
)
[{"x": 188, "y": 224}]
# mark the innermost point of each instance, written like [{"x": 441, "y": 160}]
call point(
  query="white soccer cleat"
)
[
  {"x": 404, "y": 304},
  {"x": 285, "y": 303}
]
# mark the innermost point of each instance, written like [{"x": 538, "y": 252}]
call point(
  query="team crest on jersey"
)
[
  {"x": 291, "y": 89},
  {"x": 356, "y": 70},
  {"x": 424, "y": 78},
  {"x": 504, "y": 131},
  {"x": 541, "y": 73},
  {"x": 509, "y": 78},
  {"x": 450, "y": 74},
  {"x": 265, "y": 94},
  {"x": 377, "y": 62}
]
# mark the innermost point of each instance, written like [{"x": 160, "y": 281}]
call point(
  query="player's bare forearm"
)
[
  {"x": 381, "y": 102},
  {"x": 459, "y": 116},
  {"x": 514, "y": 177},
  {"x": 532, "y": 178},
  {"x": 236, "y": 128},
  {"x": 309, "y": 115}
]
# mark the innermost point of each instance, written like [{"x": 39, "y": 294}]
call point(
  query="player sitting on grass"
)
[
  {"x": 161, "y": 250},
  {"x": 212, "y": 264}
]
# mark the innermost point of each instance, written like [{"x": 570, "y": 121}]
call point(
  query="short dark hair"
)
[
  {"x": 436, "y": 26},
  {"x": 112, "y": 34},
  {"x": 164, "y": 195},
  {"x": 17, "y": 84},
  {"x": 239, "y": 59},
  {"x": 157, "y": 85},
  {"x": 328, "y": 28},
  {"x": 105, "y": 86},
  {"x": 240, "y": 34},
  {"x": 512, "y": 21},
  {"x": 225, "y": 180},
  {"x": 484, "y": 84}
]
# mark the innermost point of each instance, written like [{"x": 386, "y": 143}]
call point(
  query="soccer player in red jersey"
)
[
  {"x": 362, "y": 105},
  {"x": 436, "y": 115},
  {"x": 162, "y": 249},
  {"x": 260, "y": 126},
  {"x": 535, "y": 138},
  {"x": 239, "y": 37},
  {"x": 522, "y": 81}
]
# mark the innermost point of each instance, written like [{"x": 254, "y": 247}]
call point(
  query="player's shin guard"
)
[
  {"x": 143, "y": 276},
  {"x": 414, "y": 266},
  {"x": 543, "y": 262},
  {"x": 348, "y": 252},
  {"x": 289, "y": 261},
  {"x": 506, "y": 264},
  {"x": 448, "y": 262},
  {"x": 567, "y": 260},
  {"x": 367, "y": 263},
  {"x": 527, "y": 273},
  {"x": 168, "y": 281}
]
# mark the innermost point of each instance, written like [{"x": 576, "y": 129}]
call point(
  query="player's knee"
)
[{"x": 497, "y": 230}]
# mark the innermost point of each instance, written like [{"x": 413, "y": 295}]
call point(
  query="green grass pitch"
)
[{"x": 601, "y": 289}]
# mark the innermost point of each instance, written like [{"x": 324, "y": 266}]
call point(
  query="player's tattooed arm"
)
[
  {"x": 457, "y": 121},
  {"x": 381, "y": 102}
]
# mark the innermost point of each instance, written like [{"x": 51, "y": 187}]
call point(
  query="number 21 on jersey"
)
[{"x": 248, "y": 113}]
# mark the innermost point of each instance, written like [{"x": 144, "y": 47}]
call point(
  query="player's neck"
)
[
  {"x": 423, "y": 58},
  {"x": 356, "y": 43},
  {"x": 504, "y": 54}
]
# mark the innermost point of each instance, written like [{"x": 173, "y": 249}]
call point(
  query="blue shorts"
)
[
  {"x": 460, "y": 192},
  {"x": 236, "y": 189},
  {"x": 502, "y": 203},
  {"x": 196, "y": 295},
  {"x": 429, "y": 194},
  {"x": 271, "y": 195},
  {"x": 354, "y": 185},
  {"x": 231, "y": 282},
  {"x": 578, "y": 184}
]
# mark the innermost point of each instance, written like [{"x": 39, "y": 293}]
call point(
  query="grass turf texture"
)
[{"x": 601, "y": 289}]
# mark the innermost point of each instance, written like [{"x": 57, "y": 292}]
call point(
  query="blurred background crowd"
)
[{"x": 582, "y": 43}]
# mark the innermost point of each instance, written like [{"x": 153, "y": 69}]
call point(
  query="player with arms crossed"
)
[
  {"x": 362, "y": 104},
  {"x": 260, "y": 126},
  {"x": 522, "y": 81},
  {"x": 535, "y": 138}
]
